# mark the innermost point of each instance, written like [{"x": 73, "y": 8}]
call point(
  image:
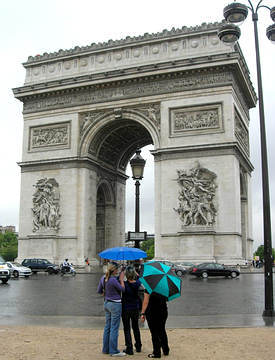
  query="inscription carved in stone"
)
[
  {"x": 46, "y": 205},
  {"x": 126, "y": 90},
  {"x": 184, "y": 120},
  {"x": 196, "y": 197},
  {"x": 49, "y": 136}
]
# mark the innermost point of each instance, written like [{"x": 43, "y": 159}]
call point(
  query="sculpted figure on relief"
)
[
  {"x": 196, "y": 197},
  {"x": 46, "y": 205}
]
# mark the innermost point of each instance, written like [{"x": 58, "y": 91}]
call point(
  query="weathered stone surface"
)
[{"x": 86, "y": 111}]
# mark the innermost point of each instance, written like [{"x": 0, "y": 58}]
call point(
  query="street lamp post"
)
[
  {"x": 137, "y": 163},
  {"x": 236, "y": 13}
]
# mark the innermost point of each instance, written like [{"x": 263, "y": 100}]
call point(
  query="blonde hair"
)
[{"x": 111, "y": 268}]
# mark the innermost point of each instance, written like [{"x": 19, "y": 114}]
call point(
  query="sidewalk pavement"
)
[{"x": 51, "y": 343}]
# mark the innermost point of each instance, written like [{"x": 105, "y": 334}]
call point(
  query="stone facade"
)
[{"x": 86, "y": 111}]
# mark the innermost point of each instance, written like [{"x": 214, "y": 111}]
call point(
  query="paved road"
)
[{"x": 73, "y": 301}]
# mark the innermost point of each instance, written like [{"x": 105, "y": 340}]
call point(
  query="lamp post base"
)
[{"x": 268, "y": 313}]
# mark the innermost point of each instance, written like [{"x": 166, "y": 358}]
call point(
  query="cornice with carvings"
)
[{"x": 137, "y": 87}]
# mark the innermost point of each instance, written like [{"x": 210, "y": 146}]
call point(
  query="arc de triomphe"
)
[{"x": 86, "y": 110}]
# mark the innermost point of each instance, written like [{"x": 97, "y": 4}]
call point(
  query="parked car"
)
[
  {"x": 5, "y": 273},
  {"x": 177, "y": 268},
  {"x": 186, "y": 264},
  {"x": 17, "y": 269},
  {"x": 41, "y": 265},
  {"x": 213, "y": 269}
]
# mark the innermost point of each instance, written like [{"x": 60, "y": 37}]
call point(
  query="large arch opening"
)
[{"x": 113, "y": 146}]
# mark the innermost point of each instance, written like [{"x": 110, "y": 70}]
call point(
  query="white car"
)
[{"x": 17, "y": 269}]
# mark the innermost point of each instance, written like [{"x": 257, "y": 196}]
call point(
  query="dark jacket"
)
[{"x": 130, "y": 297}]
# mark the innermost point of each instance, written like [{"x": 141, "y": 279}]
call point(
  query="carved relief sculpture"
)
[
  {"x": 203, "y": 119},
  {"x": 46, "y": 205},
  {"x": 49, "y": 136},
  {"x": 241, "y": 133},
  {"x": 196, "y": 197}
]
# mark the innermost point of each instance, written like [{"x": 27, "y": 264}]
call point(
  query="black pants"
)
[
  {"x": 156, "y": 322},
  {"x": 128, "y": 317}
]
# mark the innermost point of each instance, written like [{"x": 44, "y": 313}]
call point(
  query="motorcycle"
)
[{"x": 67, "y": 270}]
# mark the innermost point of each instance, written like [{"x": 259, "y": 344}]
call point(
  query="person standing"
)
[
  {"x": 130, "y": 310},
  {"x": 154, "y": 309},
  {"x": 111, "y": 285}
]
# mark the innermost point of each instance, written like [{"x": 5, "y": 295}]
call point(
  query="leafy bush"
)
[
  {"x": 8, "y": 246},
  {"x": 149, "y": 247}
]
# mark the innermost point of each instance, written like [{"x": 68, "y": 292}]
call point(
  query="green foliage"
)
[
  {"x": 8, "y": 246},
  {"x": 260, "y": 252},
  {"x": 149, "y": 247}
]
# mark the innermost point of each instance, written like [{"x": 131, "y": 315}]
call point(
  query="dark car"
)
[
  {"x": 213, "y": 269},
  {"x": 41, "y": 265},
  {"x": 177, "y": 268}
]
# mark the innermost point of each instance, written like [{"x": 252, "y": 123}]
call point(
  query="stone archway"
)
[{"x": 87, "y": 110}]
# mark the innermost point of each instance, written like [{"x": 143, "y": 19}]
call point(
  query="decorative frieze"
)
[
  {"x": 143, "y": 50},
  {"x": 149, "y": 111},
  {"x": 169, "y": 83},
  {"x": 241, "y": 133},
  {"x": 49, "y": 136},
  {"x": 197, "y": 119},
  {"x": 46, "y": 205},
  {"x": 196, "y": 197}
]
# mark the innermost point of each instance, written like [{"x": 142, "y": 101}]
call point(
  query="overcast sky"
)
[{"x": 32, "y": 27}]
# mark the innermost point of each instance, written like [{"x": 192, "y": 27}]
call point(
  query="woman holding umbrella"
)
[
  {"x": 111, "y": 286},
  {"x": 161, "y": 285},
  {"x": 154, "y": 308}
]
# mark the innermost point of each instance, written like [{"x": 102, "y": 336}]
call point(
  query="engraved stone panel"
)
[
  {"x": 49, "y": 137},
  {"x": 241, "y": 133},
  {"x": 198, "y": 119},
  {"x": 196, "y": 197},
  {"x": 124, "y": 90},
  {"x": 46, "y": 215}
]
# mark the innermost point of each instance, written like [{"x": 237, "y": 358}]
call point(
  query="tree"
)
[
  {"x": 8, "y": 246},
  {"x": 149, "y": 247},
  {"x": 260, "y": 252}
]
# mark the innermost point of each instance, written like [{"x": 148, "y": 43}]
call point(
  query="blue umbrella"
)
[
  {"x": 122, "y": 253},
  {"x": 159, "y": 278}
]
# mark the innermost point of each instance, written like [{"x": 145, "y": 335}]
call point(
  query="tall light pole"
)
[
  {"x": 137, "y": 163},
  {"x": 236, "y": 13}
]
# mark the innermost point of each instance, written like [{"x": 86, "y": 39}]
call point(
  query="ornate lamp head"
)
[
  {"x": 229, "y": 33},
  {"x": 235, "y": 13}
]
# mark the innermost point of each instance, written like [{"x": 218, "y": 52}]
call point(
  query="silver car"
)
[{"x": 17, "y": 269}]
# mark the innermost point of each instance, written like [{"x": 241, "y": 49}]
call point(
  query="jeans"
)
[
  {"x": 129, "y": 316},
  {"x": 111, "y": 329}
]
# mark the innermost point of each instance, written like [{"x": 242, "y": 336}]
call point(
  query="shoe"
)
[
  {"x": 128, "y": 351},
  {"x": 153, "y": 356},
  {"x": 138, "y": 349},
  {"x": 119, "y": 354}
]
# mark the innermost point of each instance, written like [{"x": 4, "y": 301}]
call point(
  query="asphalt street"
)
[{"x": 73, "y": 301}]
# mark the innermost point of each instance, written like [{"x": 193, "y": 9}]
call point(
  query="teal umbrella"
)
[{"x": 159, "y": 278}]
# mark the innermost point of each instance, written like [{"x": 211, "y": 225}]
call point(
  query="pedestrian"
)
[
  {"x": 154, "y": 310},
  {"x": 111, "y": 285},
  {"x": 87, "y": 261},
  {"x": 130, "y": 310}
]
